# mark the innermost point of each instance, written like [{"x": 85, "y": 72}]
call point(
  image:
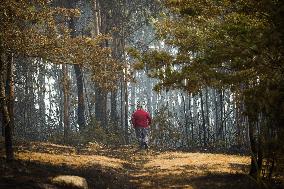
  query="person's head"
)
[{"x": 139, "y": 106}]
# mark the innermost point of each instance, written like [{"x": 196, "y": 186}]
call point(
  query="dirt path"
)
[
  {"x": 154, "y": 169},
  {"x": 126, "y": 167}
]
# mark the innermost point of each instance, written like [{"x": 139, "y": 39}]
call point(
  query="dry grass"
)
[
  {"x": 58, "y": 155},
  {"x": 125, "y": 167},
  {"x": 198, "y": 163},
  {"x": 74, "y": 161},
  {"x": 189, "y": 170}
]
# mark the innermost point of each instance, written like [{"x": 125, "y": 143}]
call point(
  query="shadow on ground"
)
[
  {"x": 36, "y": 175},
  {"x": 138, "y": 168}
]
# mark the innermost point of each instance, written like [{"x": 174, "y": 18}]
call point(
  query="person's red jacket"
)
[{"x": 141, "y": 118}]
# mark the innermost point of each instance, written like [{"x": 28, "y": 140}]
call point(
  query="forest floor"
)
[{"x": 123, "y": 167}]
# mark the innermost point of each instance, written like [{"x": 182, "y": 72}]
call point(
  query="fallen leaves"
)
[{"x": 75, "y": 161}]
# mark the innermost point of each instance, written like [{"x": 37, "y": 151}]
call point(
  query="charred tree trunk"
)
[
  {"x": 102, "y": 22},
  {"x": 10, "y": 90},
  {"x": 113, "y": 112},
  {"x": 1, "y": 124},
  {"x": 81, "y": 98},
  {"x": 6, "y": 120},
  {"x": 256, "y": 155},
  {"x": 100, "y": 106},
  {"x": 81, "y": 120}
]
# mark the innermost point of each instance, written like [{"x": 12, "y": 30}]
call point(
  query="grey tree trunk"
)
[
  {"x": 41, "y": 101},
  {"x": 203, "y": 120},
  {"x": 65, "y": 103}
]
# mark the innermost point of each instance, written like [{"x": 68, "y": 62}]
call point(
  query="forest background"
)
[{"x": 72, "y": 72}]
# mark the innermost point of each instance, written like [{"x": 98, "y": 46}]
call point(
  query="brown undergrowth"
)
[{"x": 123, "y": 167}]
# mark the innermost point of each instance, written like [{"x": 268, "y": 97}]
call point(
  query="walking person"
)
[{"x": 141, "y": 121}]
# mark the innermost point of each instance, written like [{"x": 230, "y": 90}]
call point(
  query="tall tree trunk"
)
[
  {"x": 221, "y": 129},
  {"x": 133, "y": 96},
  {"x": 100, "y": 106},
  {"x": 113, "y": 111},
  {"x": 96, "y": 13},
  {"x": 5, "y": 109},
  {"x": 126, "y": 112},
  {"x": 195, "y": 116},
  {"x": 122, "y": 101},
  {"x": 254, "y": 169},
  {"x": 101, "y": 26},
  {"x": 65, "y": 103},
  {"x": 26, "y": 122},
  {"x": 89, "y": 106},
  {"x": 10, "y": 89},
  {"x": 79, "y": 79},
  {"x": 1, "y": 123},
  {"x": 41, "y": 97},
  {"x": 186, "y": 124},
  {"x": 220, "y": 121},
  {"x": 116, "y": 54},
  {"x": 81, "y": 98},
  {"x": 216, "y": 118},
  {"x": 149, "y": 95},
  {"x": 203, "y": 120},
  {"x": 207, "y": 115},
  {"x": 191, "y": 117},
  {"x": 238, "y": 118}
]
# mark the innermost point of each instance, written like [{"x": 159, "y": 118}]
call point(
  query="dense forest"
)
[{"x": 209, "y": 72}]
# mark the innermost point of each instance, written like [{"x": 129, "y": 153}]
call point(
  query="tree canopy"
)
[
  {"x": 237, "y": 45},
  {"x": 40, "y": 29},
  {"x": 219, "y": 43}
]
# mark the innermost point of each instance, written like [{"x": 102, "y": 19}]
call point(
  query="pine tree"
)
[{"x": 236, "y": 45}]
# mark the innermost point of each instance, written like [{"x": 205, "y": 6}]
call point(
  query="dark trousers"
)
[{"x": 142, "y": 135}]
